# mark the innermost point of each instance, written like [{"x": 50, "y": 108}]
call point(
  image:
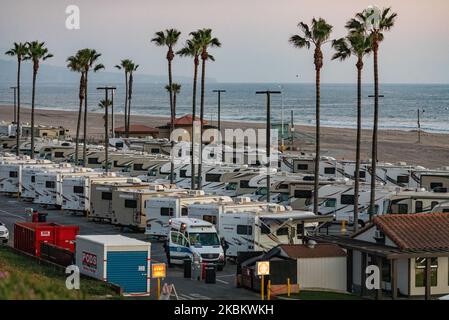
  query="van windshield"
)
[{"x": 203, "y": 239}]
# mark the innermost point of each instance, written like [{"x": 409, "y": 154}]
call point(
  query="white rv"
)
[
  {"x": 11, "y": 174},
  {"x": 29, "y": 177},
  {"x": 417, "y": 201},
  {"x": 160, "y": 210}
]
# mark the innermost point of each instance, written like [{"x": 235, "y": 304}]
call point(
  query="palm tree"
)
[
  {"x": 125, "y": 65},
  {"x": 90, "y": 59},
  {"x": 206, "y": 41},
  {"x": 174, "y": 89},
  {"x": 20, "y": 51},
  {"x": 36, "y": 52},
  {"x": 357, "y": 43},
  {"x": 192, "y": 49},
  {"x": 169, "y": 39},
  {"x": 76, "y": 63},
  {"x": 317, "y": 34},
  {"x": 105, "y": 104},
  {"x": 385, "y": 23},
  {"x": 132, "y": 67}
]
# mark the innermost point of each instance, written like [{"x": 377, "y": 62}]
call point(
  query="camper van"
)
[
  {"x": 101, "y": 197},
  {"x": 416, "y": 201},
  {"x": 76, "y": 189},
  {"x": 29, "y": 178},
  {"x": 11, "y": 174},
  {"x": 196, "y": 240},
  {"x": 160, "y": 210},
  {"x": 129, "y": 204},
  {"x": 261, "y": 230}
]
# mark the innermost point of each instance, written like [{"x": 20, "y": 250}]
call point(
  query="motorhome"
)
[
  {"x": 11, "y": 173},
  {"x": 28, "y": 179},
  {"x": 194, "y": 239},
  {"x": 434, "y": 180},
  {"x": 8, "y": 129},
  {"x": 129, "y": 204},
  {"x": 416, "y": 201},
  {"x": 48, "y": 190},
  {"x": 160, "y": 210},
  {"x": 144, "y": 164},
  {"x": 101, "y": 197},
  {"x": 76, "y": 189},
  {"x": 261, "y": 230},
  {"x": 58, "y": 153}
]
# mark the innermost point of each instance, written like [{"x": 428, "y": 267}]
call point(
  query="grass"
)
[
  {"x": 322, "y": 295},
  {"x": 22, "y": 277}
]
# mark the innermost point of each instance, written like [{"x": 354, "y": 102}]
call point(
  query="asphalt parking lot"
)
[{"x": 13, "y": 210}]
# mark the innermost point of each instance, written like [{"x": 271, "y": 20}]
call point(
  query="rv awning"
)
[{"x": 308, "y": 217}]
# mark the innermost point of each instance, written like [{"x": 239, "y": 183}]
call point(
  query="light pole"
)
[
  {"x": 112, "y": 113},
  {"x": 15, "y": 103},
  {"x": 268, "y": 94},
  {"x": 282, "y": 117},
  {"x": 419, "y": 123},
  {"x": 106, "y": 135},
  {"x": 219, "y": 92}
]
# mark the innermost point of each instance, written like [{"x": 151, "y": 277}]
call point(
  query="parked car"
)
[{"x": 4, "y": 233}]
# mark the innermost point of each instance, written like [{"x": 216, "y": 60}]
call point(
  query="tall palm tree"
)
[
  {"x": 90, "y": 63},
  {"x": 76, "y": 64},
  {"x": 357, "y": 43},
  {"x": 125, "y": 66},
  {"x": 132, "y": 67},
  {"x": 317, "y": 34},
  {"x": 169, "y": 38},
  {"x": 20, "y": 51},
  {"x": 105, "y": 104},
  {"x": 174, "y": 89},
  {"x": 36, "y": 52},
  {"x": 206, "y": 41},
  {"x": 192, "y": 49},
  {"x": 376, "y": 31}
]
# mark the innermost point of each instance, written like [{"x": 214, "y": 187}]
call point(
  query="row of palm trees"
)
[
  {"x": 36, "y": 52},
  {"x": 363, "y": 38}
]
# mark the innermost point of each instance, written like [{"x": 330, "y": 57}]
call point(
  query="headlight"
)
[{"x": 221, "y": 257}]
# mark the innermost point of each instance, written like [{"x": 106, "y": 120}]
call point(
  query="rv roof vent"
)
[
  {"x": 288, "y": 208},
  {"x": 196, "y": 193},
  {"x": 311, "y": 244},
  {"x": 241, "y": 200},
  {"x": 401, "y": 163},
  {"x": 156, "y": 187},
  {"x": 272, "y": 207}
]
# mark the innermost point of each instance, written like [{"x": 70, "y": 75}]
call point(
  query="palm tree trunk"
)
[
  {"x": 32, "y": 112},
  {"x": 106, "y": 133},
  {"x": 85, "y": 121},
  {"x": 317, "y": 143},
  {"x": 18, "y": 107},
  {"x": 78, "y": 124},
  {"x": 192, "y": 162},
  {"x": 126, "y": 105},
  {"x": 375, "y": 126},
  {"x": 357, "y": 152},
  {"x": 172, "y": 121},
  {"x": 130, "y": 93},
  {"x": 200, "y": 165}
]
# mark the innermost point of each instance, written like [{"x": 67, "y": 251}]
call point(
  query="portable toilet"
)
[{"x": 116, "y": 259}]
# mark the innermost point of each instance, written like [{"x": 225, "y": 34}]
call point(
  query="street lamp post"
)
[
  {"x": 112, "y": 114},
  {"x": 268, "y": 94},
  {"x": 219, "y": 92},
  {"x": 106, "y": 136},
  {"x": 419, "y": 123},
  {"x": 282, "y": 117},
  {"x": 15, "y": 103}
]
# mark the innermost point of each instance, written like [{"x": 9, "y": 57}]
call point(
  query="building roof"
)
[
  {"x": 416, "y": 231},
  {"x": 321, "y": 250},
  {"x": 187, "y": 120},
  {"x": 113, "y": 240},
  {"x": 137, "y": 128}
]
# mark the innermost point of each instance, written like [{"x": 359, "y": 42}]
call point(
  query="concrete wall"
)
[{"x": 322, "y": 273}]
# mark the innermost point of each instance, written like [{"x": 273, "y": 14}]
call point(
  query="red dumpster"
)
[{"x": 65, "y": 237}]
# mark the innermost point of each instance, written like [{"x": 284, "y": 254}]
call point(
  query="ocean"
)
[{"x": 398, "y": 107}]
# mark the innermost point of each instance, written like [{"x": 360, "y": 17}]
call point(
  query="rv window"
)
[
  {"x": 78, "y": 189},
  {"x": 183, "y": 173},
  {"x": 213, "y": 177},
  {"x": 331, "y": 203},
  {"x": 403, "y": 179},
  {"x": 155, "y": 150},
  {"x": 283, "y": 186},
  {"x": 300, "y": 228},
  {"x": 244, "y": 184},
  {"x": 33, "y": 179},
  {"x": 184, "y": 212},
  {"x": 418, "y": 206},
  {"x": 244, "y": 230},
  {"x": 445, "y": 210},
  {"x": 130, "y": 203},
  {"x": 92, "y": 161},
  {"x": 50, "y": 184},
  {"x": 234, "y": 160},
  {"x": 303, "y": 194},
  {"x": 167, "y": 212},
  {"x": 119, "y": 144},
  {"x": 138, "y": 166},
  {"x": 435, "y": 185},
  {"x": 261, "y": 191},
  {"x": 231, "y": 186},
  {"x": 329, "y": 170},
  {"x": 106, "y": 196},
  {"x": 152, "y": 173},
  {"x": 347, "y": 199},
  {"x": 59, "y": 154},
  {"x": 13, "y": 174},
  {"x": 264, "y": 229},
  {"x": 434, "y": 204},
  {"x": 211, "y": 219},
  {"x": 282, "y": 231},
  {"x": 61, "y": 132},
  {"x": 302, "y": 166},
  {"x": 402, "y": 208},
  {"x": 284, "y": 196},
  {"x": 362, "y": 174}
]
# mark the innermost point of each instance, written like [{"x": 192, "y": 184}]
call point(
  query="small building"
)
[
  {"x": 137, "y": 131},
  {"x": 185, "y": 123},
  {"x": 411, "y": 252},
  {"x": 46, "y": 132}
]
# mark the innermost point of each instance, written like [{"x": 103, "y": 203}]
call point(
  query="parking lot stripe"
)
[{"x": 11, "y": 214}]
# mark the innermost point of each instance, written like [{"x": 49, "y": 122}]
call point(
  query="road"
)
[{"x": 13, "y": 210}]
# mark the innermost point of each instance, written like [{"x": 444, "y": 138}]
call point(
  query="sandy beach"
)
[{"x": 394, "y": 146}]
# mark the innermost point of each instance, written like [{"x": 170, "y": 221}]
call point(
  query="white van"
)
[{"x": 194, "y": 239}]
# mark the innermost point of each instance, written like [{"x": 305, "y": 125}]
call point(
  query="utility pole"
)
[
  {"x": 219, "y": 92},
  {"x": 292, "y": 129},
  {"x": 106, "y": 136},
  {"x": 268, "y": 137},
  {"x": 15, "y": 103},
  {"x": 112, "y": 114},
  {"x": 419, "y": 124}
]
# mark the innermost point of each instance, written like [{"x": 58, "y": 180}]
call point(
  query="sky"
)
[{"x": 254, "y": 36}]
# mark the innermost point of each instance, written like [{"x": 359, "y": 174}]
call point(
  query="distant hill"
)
[{"x": 49, "y": 73}]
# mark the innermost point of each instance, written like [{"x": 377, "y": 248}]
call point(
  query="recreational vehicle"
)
[
  {"x": 416, "y": 201},
  {"x": 11, "y": 173},
  {"x": 28, "y": 179}
]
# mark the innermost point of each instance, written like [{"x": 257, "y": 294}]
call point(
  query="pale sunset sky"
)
[{"x": 254, "y": 34}]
